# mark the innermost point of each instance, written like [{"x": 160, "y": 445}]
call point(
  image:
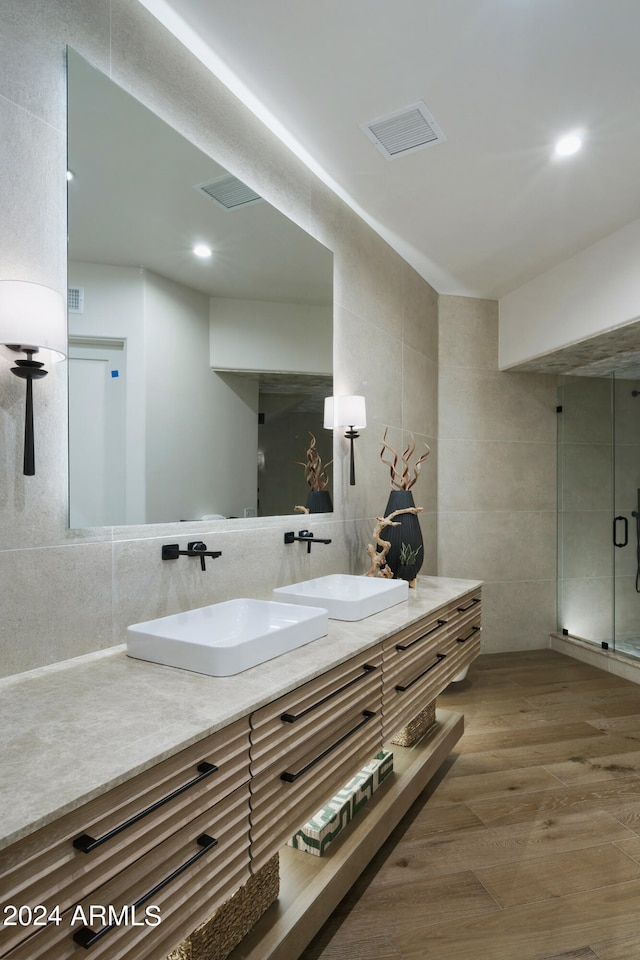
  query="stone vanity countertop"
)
[{"x": 75, "y": 729}]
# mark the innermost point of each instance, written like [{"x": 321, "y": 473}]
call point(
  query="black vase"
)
[
  {"x": 319, "y": 501},
  {"x": 408, "y": 532},
  {"x": 408, "y": 572}
]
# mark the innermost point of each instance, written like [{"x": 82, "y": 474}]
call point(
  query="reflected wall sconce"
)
[
  {"x": 346, "y": 412},
  {"x": 32, "y": 319}
]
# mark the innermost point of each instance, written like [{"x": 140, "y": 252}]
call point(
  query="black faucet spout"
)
[
  {"x": 196, "y": 548},
  {"x": 304, "y": 536}
]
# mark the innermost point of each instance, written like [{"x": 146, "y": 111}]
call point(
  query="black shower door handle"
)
[{"x": 615, "y": 532}]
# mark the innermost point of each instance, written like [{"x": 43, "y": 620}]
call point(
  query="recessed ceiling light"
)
[
  {"x": 69, "y": 175},
  {"x": 569, "y": 144},
  {"x": 202, "y": 250}
]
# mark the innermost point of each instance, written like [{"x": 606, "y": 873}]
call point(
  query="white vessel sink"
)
[
  {"x": 346, "y": 597},
  {"x": 226, "y": 638}
]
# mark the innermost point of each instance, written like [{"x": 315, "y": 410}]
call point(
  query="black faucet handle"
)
[{"x": 196, "y": 547}]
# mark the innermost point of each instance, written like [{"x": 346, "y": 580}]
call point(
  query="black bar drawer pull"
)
[
  {"x": 85, "y": 935},
  {"x": 469, "y": 605},
  {"x": 402, "y": 687},
  {"x": 87, "y": 843},
  {"x": 468, "y": 636},
  {"x": 292, "y": 717},
  {"x": 292, "y": 777},
  {"x": 407, "y": 646}
]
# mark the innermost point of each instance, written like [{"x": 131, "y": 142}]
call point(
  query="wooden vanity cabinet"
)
[
  {"x": 153, "y": 834},
  {"x": 420, "y": 661},
  {"x": 185, "y": 835},
  {"x": 307, "y": 744}
]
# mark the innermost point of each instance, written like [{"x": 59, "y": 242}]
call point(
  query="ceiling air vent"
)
[
  {"x": 229, "y": 192},
  {"x": 404, "y": 131}
]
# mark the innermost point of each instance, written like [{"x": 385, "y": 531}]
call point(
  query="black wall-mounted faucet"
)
[
  {"x": 196, "y": 548},
  {"x": 304, "y": 536}
]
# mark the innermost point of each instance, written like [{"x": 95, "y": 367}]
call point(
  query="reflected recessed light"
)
[
  {"x": 569, "y": 144},
  {"x": 69, "y": 175},
  {"x": 202, "y": 250}
]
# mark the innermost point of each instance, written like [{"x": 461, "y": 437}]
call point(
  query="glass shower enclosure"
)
[{"x": 599, "y": 510}]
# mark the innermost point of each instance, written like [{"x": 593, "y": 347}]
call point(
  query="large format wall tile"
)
[
  {"x": 498, "y": 545},
  {"x": 627, "y": 607},
  {"x": 586, "y": 410},
  {"x": 370, "y": 364},
  {"x": 419, "y": 392},
  {"x": 32, "y": 197},
  {"x": 496, "y": 477},
  {"x": 31, "y": 36},
  {"x": 420, "y": 314},
  {"x": 56, "y": 604},
  {"x": 468, "y": 334},
  {"x": 586, "y": 544},
  {"x": 517, "y": 615},
  {"x": 370, "y": 282},
  {"x": 477, "y": 476},
  {"x": 585, "y": 607},
  {"x": 492, "y": 405},
  {"x": 586, "y": 476}
]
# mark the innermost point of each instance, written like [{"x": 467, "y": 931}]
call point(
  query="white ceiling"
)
[{"x": 488, "y": 209}]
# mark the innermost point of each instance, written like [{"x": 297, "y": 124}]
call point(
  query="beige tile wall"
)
[
  {"x": 496, "y": 478},
  {"x": 64, "y": 593}
]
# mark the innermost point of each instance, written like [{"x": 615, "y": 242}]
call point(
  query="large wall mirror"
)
[{"x": 195, "y": 382}]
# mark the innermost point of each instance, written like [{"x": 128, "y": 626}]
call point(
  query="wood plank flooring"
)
[{"x": 526, "y": 846}]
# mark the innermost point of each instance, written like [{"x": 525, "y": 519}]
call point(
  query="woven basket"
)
[
  {"x": 417, "y": 727},
  {"x": 222, "y": 932}
]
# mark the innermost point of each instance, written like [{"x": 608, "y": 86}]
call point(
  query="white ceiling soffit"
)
[
  {"x": 404, "y": 131},
  {"x": 229, "y": 192}
]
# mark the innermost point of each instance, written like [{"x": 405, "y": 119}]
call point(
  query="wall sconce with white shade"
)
[
  {"x": 32, "y": 319},
  {"x": 346, "y": 412}
]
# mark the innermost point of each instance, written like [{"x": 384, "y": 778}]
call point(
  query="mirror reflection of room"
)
[{"x": 200, "y": 326}]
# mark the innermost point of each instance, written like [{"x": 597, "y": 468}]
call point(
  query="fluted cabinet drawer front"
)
[
  {"x": 420, "y": 636},
  {"x": 412, "y": 680},
  {"x": 463, "y": 652},
  {"x": 288, "y": 793},
  {"x": 185, "y": 877},
  {"x": 307, "y": 714},
  {"x": 45, "y": 868},
  {"x": 467, "y": 627},
  {"x": 466, "y": 611},
  {"x": 418, "y": 667}
]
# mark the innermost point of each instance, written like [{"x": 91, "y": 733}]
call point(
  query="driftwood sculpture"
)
[
  {"x": 406, "y": 479},
  {"x": 314, "y": 472},
  {"x": 379, "y": 566}
]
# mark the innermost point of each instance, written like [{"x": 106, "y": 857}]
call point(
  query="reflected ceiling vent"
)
[
  {"x": 404, "y": 131},
  {"x": 75, "y": 299},
  {"x": 229, "y": 192}
]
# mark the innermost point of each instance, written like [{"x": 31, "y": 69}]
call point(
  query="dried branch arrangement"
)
[
  {"x": 405, "y": 479},
  {"x": 379, "y": 566},
  {"x": 314, "y": 472}
]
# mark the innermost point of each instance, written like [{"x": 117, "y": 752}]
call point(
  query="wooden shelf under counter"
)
[{"x": 311, "y": 887}]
